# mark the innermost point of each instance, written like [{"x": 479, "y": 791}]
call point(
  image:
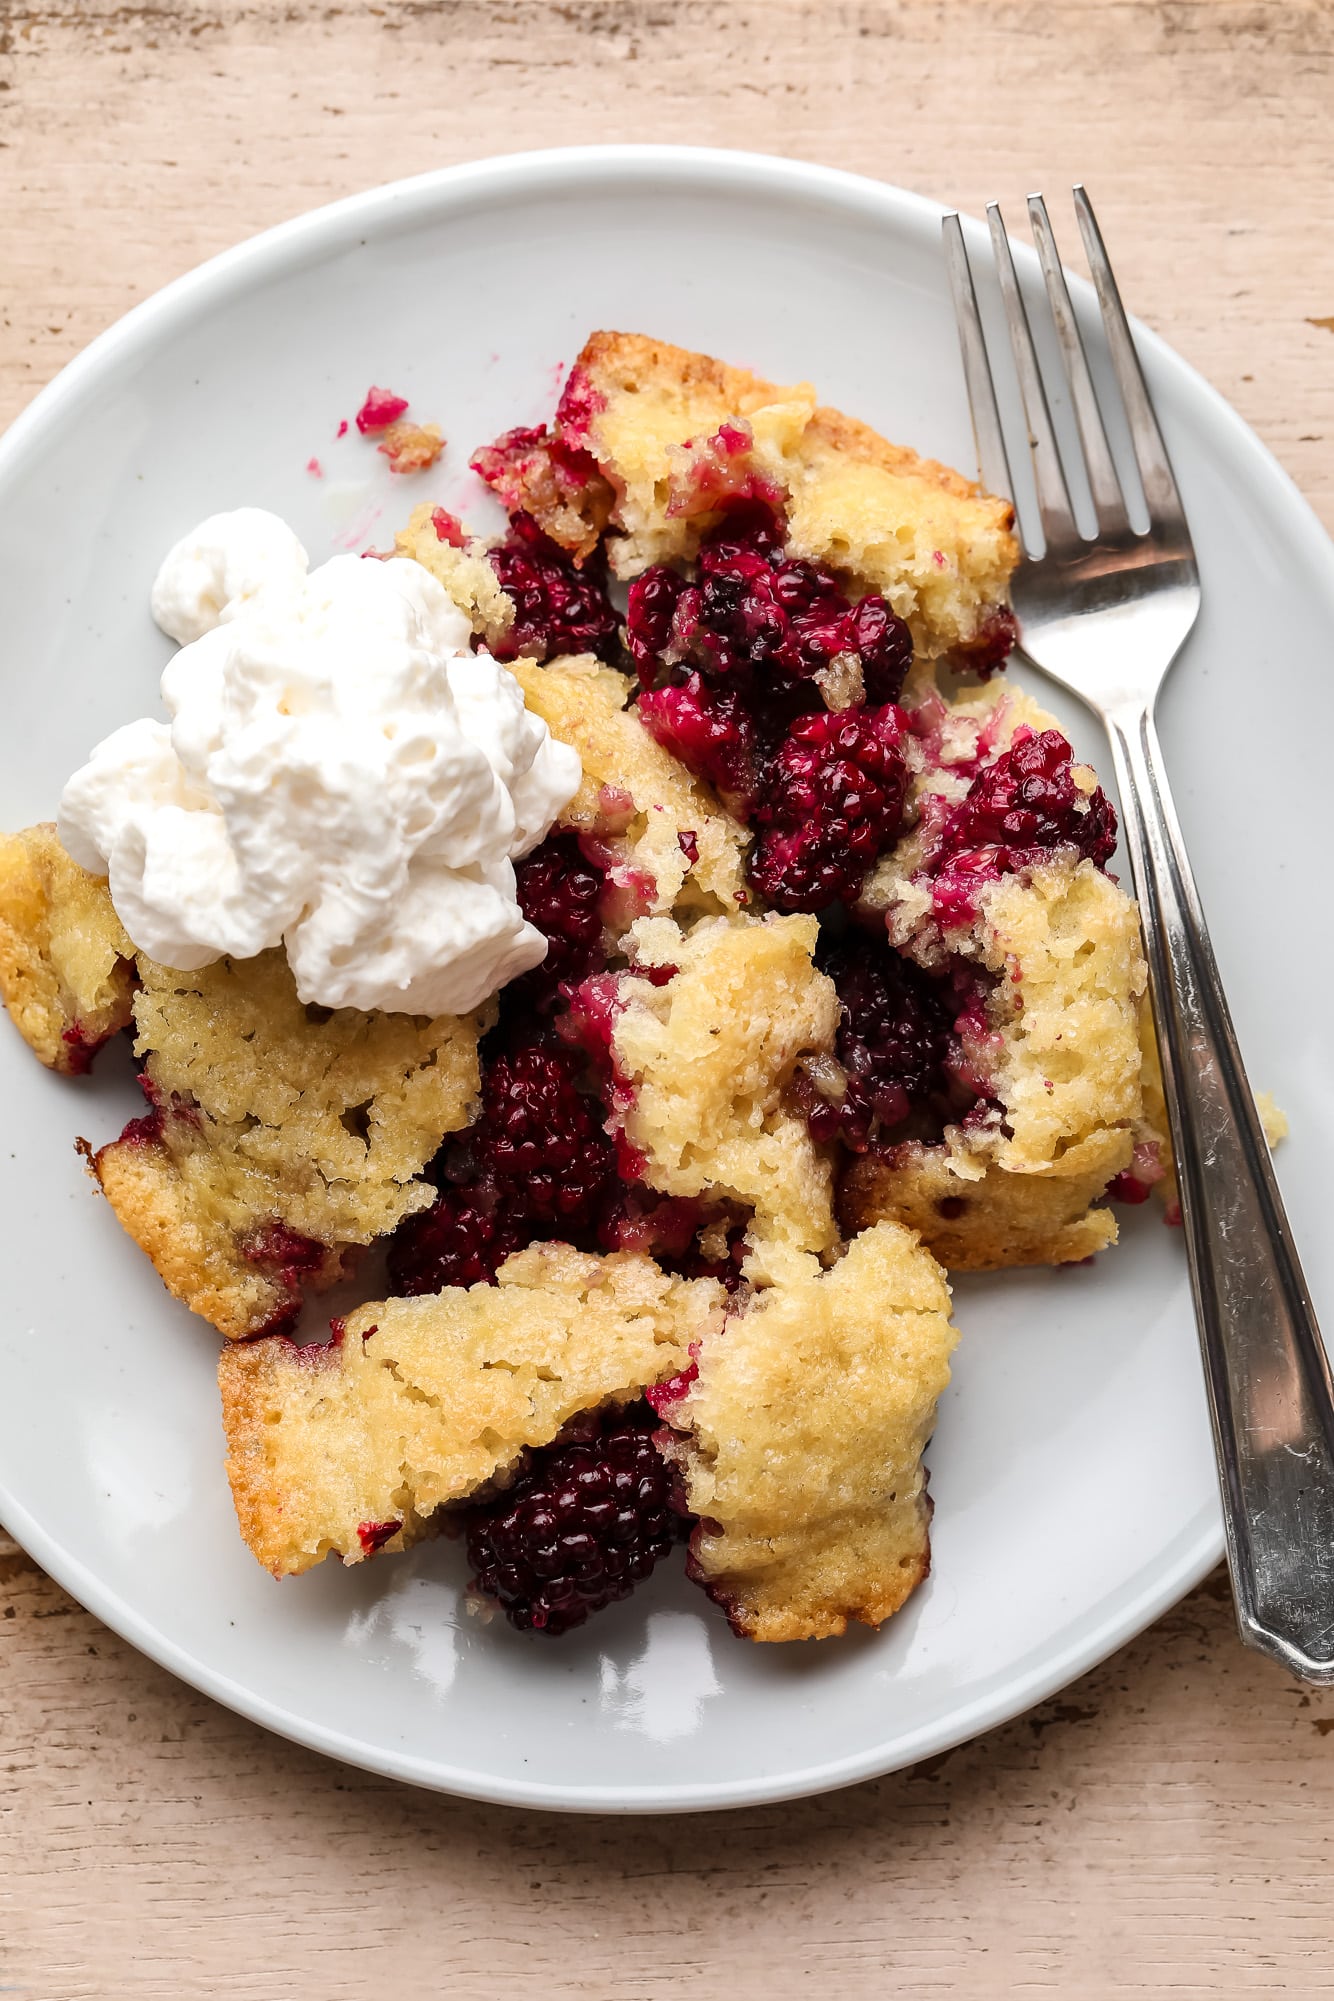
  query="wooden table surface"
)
[{"x": 1163, "y": 1828}]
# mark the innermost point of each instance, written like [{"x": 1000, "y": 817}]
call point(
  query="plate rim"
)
[{"x": 309, "y": 236}]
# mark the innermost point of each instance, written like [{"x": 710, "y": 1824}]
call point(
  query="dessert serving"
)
[{"x": 647, "y": 949}]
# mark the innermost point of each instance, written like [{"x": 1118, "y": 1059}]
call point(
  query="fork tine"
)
[
  {"x": 1155, "y": 468},
  {"x": 1104, "y": 483},
  {"x": 992, "y": 460},
  {"x": 1057, "y": 515}
]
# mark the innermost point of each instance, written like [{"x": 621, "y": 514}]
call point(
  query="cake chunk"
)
[
  {"x": 705, "y": 1060},
  {"x": 66, "y": 966},
  {"x": 418, "y": 1403},
  {"x": 280, "y": 1137},
  {"x": 1018, "y": 1184},
  {"x": 678, "y": 436},
  {"x": 799, "y": 1434},
  {"x": 435, "y": 540},
  {"x": 1041, "y": 952}
]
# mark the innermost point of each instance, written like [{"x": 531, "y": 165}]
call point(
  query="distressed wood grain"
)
[{"x": 1167, "y": 1826}]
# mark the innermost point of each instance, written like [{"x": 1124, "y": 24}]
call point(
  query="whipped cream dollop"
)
[{"x": 341, "y": 774}]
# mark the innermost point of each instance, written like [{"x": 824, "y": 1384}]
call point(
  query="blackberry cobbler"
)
[{"x": 836, "y": 991}]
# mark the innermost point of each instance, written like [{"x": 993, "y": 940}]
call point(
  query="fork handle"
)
[{"x": 1271, "y": 1398}]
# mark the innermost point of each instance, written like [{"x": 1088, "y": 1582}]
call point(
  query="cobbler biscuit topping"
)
[
  {"x": 342, "y": 773},
  {"x": 810, "y": 973}
]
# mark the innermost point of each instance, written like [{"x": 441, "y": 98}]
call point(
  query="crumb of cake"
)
[
  {"x": 314, "y": 468},
  {"x": 66, "y": 966},
  {"x": 585, "y": 704},
  {"x": 423, "y": 1401},
  {"x": 798, "y": 1432},
  {"x": 341, "y": 432},
  {"x": 462, "y": 567},
  {"x": 931, "y": 542},
  {"x": 583, "y": 1522},
  {"x": 380, "y": 409},
  {"x": 706, "y": 1062},
  {"x": 411, "y": 447},
  {"x": 270, "y": 1113},
  {"x": 1273, "y": 1119}
]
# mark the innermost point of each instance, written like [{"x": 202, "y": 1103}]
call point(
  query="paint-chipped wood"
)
[{"x": 1165, "y": 1827}]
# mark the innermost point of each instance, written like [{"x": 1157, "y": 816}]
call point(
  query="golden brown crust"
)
[
  {"x": 830, "y": 431},
  {"x": 426, "y": 1400},
  {"x": 205, "y": 1269},
  {"x": 891, "y": 521},
  {"x": 1004, "y": 1218},
  {"x": 624, "y": 362},
  {"x": 66, "y": 971},
  {"x": 800, "y": 1440}
]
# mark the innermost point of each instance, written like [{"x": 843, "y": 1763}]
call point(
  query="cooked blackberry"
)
[
  {"x": 557, "y": 609},
  {"x": 585, "y": 1520},
  {"x": 893, "y": 1041}
]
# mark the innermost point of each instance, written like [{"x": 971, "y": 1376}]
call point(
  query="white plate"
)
[{"x": 1071, "y": 1469}]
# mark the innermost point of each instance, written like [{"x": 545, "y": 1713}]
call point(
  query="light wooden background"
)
[{"x": 1165, "y": 1828}]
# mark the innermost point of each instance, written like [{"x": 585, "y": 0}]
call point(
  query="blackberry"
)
[
  {"x": 884, "y": 643},
  {"x": 557, "y": 609},
  {"x": 559, "y": 892},
  {"x": 894, "y": 1041},
  {"x": 833, "y": 803},
  {"x": 763, "y": 621},
  {"x": 462, "y": 1239},
  {"x": 585, "y": 1520},
  {"x": 1026, "y": 802},
  {"x": 991, "y": 646},
  {"x": 536, "y": 1165},
  {"x": 650, "y": 625},
  {"x": 542, "y": 1137},
  {"x": 712, "y": 732}
]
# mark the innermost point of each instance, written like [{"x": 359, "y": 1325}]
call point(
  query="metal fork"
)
[{"x": 1106, "y": 615}]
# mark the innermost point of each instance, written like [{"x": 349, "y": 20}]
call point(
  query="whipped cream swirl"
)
[{"x": 341, "y": 774}]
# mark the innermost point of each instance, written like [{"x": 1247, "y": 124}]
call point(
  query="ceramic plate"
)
[{"x": 1071, "y": 1468}]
